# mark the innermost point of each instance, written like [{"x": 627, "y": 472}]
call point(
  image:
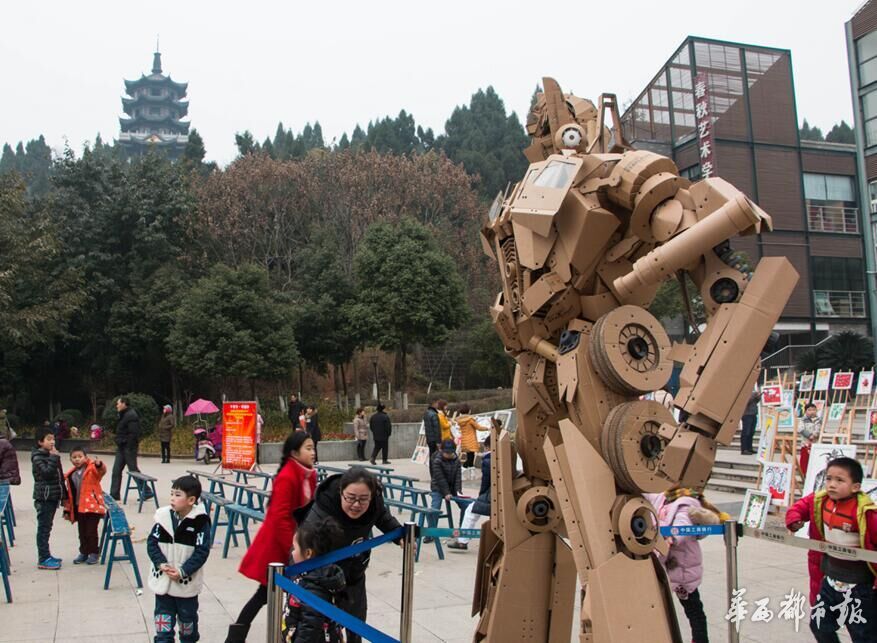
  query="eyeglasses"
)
[{"x": 356, "y": 500}]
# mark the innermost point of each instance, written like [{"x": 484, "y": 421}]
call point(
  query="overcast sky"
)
[{"x": 250, "y": 64}]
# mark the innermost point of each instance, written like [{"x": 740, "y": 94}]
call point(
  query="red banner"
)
[
  {"x": 239, "y": 435},
  {"x": 704, "y": 125}
]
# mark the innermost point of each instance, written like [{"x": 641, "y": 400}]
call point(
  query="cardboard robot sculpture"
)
[{"x": 583, "y": 242}]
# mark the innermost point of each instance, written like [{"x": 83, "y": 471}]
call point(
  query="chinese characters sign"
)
[
  {"x": 704, "y": 123},
  {"x": 239, "y": 435}
]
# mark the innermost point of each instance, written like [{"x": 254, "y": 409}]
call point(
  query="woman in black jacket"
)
[{"x": 354, "y": 499}]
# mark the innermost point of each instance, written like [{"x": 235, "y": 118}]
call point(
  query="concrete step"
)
[
  {"x": 741, "y": 474},
  {"x": 730, "y": 486}
]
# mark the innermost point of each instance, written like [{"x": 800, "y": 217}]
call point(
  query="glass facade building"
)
[{"x": 809, "y": 188}]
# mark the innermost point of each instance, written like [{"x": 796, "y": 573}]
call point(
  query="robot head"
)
[{"x": 559, "y": 122}]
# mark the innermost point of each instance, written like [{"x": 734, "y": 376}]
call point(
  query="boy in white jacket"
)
[{"x": 178, "y": 546}]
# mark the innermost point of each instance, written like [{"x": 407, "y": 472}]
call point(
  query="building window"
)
[
  {"x": 831, "y": 203},
  {"x": 869, "y": 115},
  {"x": 839, "y": 287},
  {"x": 866, "y": 54}
]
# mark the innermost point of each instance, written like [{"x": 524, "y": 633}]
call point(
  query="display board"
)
[{"x": 239, "y": 435}]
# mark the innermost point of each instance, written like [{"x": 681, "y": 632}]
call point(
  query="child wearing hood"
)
[
  {"x": 84, "y": 502},
  {"x": 681, "y": 507},
  {"x": 301, "y": 622}
]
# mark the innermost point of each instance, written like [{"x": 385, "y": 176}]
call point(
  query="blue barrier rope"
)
[
  {"x": 694, "y": 530},
  {"x": 341, "y": 617},
  {"x": 341, "y": 554}
]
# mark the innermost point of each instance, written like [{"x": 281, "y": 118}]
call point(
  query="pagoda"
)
[{"x": 154, "y": 109}]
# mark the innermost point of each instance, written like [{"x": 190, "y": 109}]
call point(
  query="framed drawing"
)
[
  {"x": 753, "y": 513},
  {"x": 836, "y": 411},
  {"x": 806, "y": 383},
  {"x": 843, "y": 381},
  {"x": 776, "y": 481},
  {"x": 772, "y": 395},
  {"x": 823, "y": 375},
  {"x": 866, "y": 383},
  {"x": 768, "y": 421},
  {"x": 785, "y": 418},
  {"x": 871, "y": 427}
]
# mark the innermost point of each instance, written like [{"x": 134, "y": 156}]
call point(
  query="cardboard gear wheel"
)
[
  {"x": 636, "y": 525},
  {"x": 633, "y": 447},
  {"x": 538, "y": 509},
  {"x": 630, "y": 349}
]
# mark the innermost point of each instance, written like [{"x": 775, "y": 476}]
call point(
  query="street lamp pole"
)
[{"x": 377, "y": 384}]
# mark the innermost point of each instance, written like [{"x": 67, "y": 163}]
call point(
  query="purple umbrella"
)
[{"x": 200, "y": 406}]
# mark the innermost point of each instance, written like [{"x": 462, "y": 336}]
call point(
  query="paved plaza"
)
[{"x": 71, "y": 604}]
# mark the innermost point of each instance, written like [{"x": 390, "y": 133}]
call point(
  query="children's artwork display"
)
[
  {"x": 785, "y": 418},
  {"x": 768, "y": 421},
  {"x": 866, "y": 383},
  {"x": 788, "y": 398},
  {"x": 776, "y": 481},
  {"x": 753, "y": 513},
  {"x": 843, "y": 381},
  {"x": 871, "y": 427},
  {"x": 823, "y": 376},
  {"x": 820, "y": 406},
  {"x": 806, "y": 383},
  {"x": 772, "y": 395},
  {"x": 836, "y": 412}
]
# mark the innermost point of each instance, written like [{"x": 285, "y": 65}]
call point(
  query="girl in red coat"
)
[
  {"x": 84, "y": 503},
  {"x": 293, "y": 490}
]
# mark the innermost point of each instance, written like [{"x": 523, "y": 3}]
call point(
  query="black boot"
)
[{"x": 237, "y": 633}]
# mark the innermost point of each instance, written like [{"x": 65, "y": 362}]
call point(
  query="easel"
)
[
  {"x": 786, "y": 444},
  {"x": 843, "y": 433}
]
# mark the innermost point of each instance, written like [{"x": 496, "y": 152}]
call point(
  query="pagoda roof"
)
[
  {"x": 154, "y": 80},
  {"x": 171, "y": 123},
  {"x": 130, "y": 103},
  {"x": 151, "y": 139}
]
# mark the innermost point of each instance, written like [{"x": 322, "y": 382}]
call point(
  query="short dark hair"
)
[
  {"x": 320, "y": 536},
  {"x": 78, "y": 449},
  {"x": 359, "y": 410},
  {"x": 188, "y": 485},
  {"x": 849, "y": 465},
  {"x": 42, "y": 432},
  {"x": 810, "y": 405},
  {"x": 124, "y": 399},
  {"x": 359, "y": 474},
  {"x": 463, "y": 408}
]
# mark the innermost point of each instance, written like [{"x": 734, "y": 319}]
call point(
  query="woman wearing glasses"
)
[{"x": 354, "y": 499}]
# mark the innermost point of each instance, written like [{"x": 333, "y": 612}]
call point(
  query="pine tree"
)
[
  {"x": 841, "y": 133},
  {"x": 809, "y": 133},
  {"x": 194, "y": 152}
]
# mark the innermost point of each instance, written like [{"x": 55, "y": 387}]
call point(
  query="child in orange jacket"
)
[
  {"x": 84, "y": 504},
  {"x": 840, "y": 514}
]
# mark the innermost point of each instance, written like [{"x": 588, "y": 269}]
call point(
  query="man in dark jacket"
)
[
  {"x": 446, "y": 480},
  {"x": 296, "y": 410},
  {"x": 48, "y": 489},
  {"x": 342, "y": 497},
  {"x": 433, "y": 429},
  {"x": 382, "y": 428},
  {"x": 749, "y": 421},
  {"x": 9, "y": 472},
  {"x": 127, "y": 445}
]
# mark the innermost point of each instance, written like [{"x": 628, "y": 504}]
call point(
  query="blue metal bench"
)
[
  {"x": 5, "y": 563},
  {"x": 217, "y": 503},
  {"x": 422, "y": 515},
  {"x": 7, "y": 515},
  {"x": 239, "y": 514},
  {"x": 141, "y": 483},
  {"x": 116, "y": 530},
  {"x": 244, "y": 477}
]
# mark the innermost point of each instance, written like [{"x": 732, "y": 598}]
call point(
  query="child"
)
[
  {"x": 312, "y": 428},
  {"x": 84, "y": 502},
  {"x": 178, "y": 546},
  {"x": 293, "y": 490},
  {"x": 843, "y": 515},
  {"x": 446, "y": 480},
  {"x": 684, "y": 562},
  {"x": 48, "y": 490},
  {"x": 481, "y": 506},
  {"x": 808, "y": 428},
  {"x": 301, "y": 622}
]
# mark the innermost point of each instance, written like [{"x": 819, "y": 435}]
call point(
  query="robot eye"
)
[{"x": 571, "y": 137}]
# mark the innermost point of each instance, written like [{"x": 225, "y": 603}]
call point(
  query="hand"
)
[
  {"x": 98, "y": 463},
  {"x": 173, "y": 573},
  {"x": 795, "y": 526},
  {"x": 448, "y": 497},
  {"x": 54, "y": 451}
]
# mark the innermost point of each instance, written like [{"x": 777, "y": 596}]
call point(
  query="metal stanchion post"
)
[
  {"x": 275, "y": 603},
  {"x": 408, "y": 549},
  {"x": 731, "y": 573}
]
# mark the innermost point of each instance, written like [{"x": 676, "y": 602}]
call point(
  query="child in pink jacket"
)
[{"x": 684, "y": 562}]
